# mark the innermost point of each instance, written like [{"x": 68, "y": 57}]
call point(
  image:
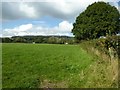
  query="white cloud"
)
[
  {"x": 64, "y": 28},
  {"x": 17, "y": 30},
  {"x": 29, "y": 11},
  {"x": 21, "y": 28},
  {"x": 25, "y": 27},
  {"x": 63, "y": 9}
]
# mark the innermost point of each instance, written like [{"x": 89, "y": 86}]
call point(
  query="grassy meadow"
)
[{"x": 53, "y": 66}]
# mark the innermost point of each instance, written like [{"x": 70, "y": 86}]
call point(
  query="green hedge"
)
[{"x": 108, "y": 42}]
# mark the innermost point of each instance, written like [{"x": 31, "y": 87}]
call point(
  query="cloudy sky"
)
[{"x": 41, "y": 17}]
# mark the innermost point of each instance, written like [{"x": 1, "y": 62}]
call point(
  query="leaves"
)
[{"x": 99, "y": 19}]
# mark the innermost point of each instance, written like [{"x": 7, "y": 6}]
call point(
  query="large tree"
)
[{"x": 99, "y": 19}]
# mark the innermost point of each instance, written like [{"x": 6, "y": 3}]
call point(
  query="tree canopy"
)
[{"x": 99, "y": 19}]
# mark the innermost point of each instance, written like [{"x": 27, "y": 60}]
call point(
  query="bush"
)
[{"x": 109, "y": 42}]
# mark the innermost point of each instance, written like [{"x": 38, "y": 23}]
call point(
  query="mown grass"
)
[{"x": 43, "y": 65}]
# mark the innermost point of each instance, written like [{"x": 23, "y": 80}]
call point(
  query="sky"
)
[{"x": 42, "y": 17}]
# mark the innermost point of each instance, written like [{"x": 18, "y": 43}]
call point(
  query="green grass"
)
[
  {"x": 61, "y": 66},
  {"x": 102, "y": 73},
  {"x": 42, "y": 65}
]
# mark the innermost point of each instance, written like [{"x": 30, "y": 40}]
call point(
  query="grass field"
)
[{"x": 46, "y": 65}]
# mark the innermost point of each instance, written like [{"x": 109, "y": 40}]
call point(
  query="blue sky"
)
[
  {"x": 42, "y": 17},
  {"x": 46, "y": 20}
]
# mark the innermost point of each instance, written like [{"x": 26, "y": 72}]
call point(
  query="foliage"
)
[
  {"x": 103, "y": 72},
  {"x": 103, "y": 45},
  {"x": 39, "y": 39},
  {"x": 108, "y": 42},
  {"x": 6, "y": 40},
  {"x": 99, "y": 19}
]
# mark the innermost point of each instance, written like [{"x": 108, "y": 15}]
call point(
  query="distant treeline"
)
[{"x": 39, "y": 39}]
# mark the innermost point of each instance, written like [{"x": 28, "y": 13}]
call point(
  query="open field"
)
[{"x": 49, "y": 65}]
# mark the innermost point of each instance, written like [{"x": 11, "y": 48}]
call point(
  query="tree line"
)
[{"x": 39, "y": 39}]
